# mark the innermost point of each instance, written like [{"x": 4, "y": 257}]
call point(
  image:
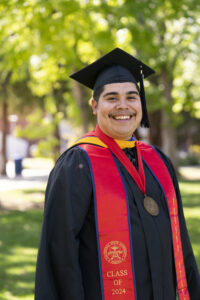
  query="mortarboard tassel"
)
[{"x": 145, "y": 118}]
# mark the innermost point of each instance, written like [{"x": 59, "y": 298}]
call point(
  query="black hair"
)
[{"x": 97, "y": 92}]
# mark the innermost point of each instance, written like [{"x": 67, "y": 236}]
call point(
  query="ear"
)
[{"x": 94, "y": 106}]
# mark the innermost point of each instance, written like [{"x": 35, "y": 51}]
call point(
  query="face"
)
[{"x": 118, "y": 110}]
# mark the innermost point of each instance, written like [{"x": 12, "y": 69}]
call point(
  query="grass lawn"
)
[
  {"x": 190, "y": 191},
  {"x": 20, "y": 231},
  {"x": 19, "y": 237}
]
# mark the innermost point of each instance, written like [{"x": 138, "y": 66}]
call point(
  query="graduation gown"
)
[{"x": 67, "y": 265}]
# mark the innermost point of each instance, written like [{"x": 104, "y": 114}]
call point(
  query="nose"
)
[{"x": 122, "y": 103}]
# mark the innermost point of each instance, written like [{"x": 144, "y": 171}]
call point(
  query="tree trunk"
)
[
  {"x": 169, "y": 138},
  {"x": 155, "y": 132},
  {"x": 4, "y": 124},
  {"x": 79, "y": 98},
  {"x": 4, "y": 134},
  {"x": 56, "y": 148},
  {"x": 169, "y": 143}
]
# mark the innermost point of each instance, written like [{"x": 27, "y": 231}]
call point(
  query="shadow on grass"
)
[
  {"x": 194, "y": 233},
  {"x": 19, "y": 238},
  {"x": 34, "y": 191},
  {"x": 187, "y": 200},
  {"x": 190, "y": 191},
  {"x": 22, "y": 200},
  {"x": 190, "y": 182}
]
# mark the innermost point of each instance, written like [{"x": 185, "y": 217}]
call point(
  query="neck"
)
[{"x": 116, "y": 137}]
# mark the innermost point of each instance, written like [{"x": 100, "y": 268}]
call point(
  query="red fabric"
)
[
  {"x": 113, "y": 228},
  {"x": 138, "y": 177},
  {"x": 156, "y": 164}
]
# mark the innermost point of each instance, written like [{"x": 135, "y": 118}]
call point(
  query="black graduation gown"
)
[{"x": 67, "y": 266}]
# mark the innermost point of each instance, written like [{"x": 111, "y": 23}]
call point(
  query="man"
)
[{"x": 113, "y": 225}]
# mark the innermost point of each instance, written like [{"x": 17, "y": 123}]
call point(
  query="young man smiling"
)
[
  {"x": 118, "y": 110},
  {"x": 113, "y": 224}
]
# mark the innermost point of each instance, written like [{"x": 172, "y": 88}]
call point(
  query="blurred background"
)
[{"x": 42, "y": 110}]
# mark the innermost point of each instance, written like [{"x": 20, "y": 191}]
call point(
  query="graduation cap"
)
[{"x": 115, "y": 67}]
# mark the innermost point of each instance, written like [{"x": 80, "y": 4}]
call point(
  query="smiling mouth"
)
[{"x": 122, "y": 117}]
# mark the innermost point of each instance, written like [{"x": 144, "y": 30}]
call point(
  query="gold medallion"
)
[{"x": 151, "y": 206}]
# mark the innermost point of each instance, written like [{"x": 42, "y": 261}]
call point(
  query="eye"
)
[
  {"x": 112, "y": 98},
  {"x": 131, "y": 97}
]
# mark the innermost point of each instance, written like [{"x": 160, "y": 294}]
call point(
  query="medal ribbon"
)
[
  {"x": 114, "y": 243},
  {"x": 156, "y": 164},
  {"x": 138, "y": 176}
]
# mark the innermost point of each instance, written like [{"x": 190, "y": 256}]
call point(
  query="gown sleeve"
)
[
  {"x": 67, "y": 200},
  {"x": 192, "y": 273}
]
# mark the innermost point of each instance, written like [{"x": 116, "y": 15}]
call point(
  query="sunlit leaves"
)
[{"x": 44, "y": 41}]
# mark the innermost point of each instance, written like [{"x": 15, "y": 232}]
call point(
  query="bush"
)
[{"x": 192, "y": 158}]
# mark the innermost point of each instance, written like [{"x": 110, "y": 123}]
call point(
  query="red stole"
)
[
  {"x": 113, "y": 227},
  {"x": 156, "y": 164}
]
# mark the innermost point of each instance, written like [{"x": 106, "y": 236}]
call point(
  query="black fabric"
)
[
  {"x": 114, "y": 74},
  {"x": 89, "y": 74},
  {"x": 132, "y": 155},
  {"x": 67, "y": 266}
]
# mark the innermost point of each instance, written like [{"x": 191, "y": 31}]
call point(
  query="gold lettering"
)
[
  {"x": 117, "y": 281},
  {"x": 117, "y": 273},
  {"x": 119, "y": 291},
  {"x": 125, "y": 272},
  {"x": 110, "y": 274}
]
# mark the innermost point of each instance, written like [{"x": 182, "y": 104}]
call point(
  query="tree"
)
[
  {"x": 164, "y": 34},
  {"x": 45, "y": 41},
  {"x": 16, "y": 44}
]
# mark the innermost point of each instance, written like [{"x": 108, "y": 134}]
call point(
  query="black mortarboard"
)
[{"x": 116, "y": 66}]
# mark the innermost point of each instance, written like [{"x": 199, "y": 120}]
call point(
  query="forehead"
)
[{"x": 121, "y": 87}]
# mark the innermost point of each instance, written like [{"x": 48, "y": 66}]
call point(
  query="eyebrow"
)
[{"x": 115, "y": 93}]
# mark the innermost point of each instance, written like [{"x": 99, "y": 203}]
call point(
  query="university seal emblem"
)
[{"x": 115, "y": 252}]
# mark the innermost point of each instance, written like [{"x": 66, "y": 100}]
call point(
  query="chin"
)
[{"x": 123, "y": 136}]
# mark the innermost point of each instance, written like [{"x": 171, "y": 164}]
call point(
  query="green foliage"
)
[
  {"x": 42, "y": 128},
  {"x": 37, "y": 128},
  {"x": 72, "y": 112},
  {"x": 192, "y": 158},
  {"x": 45, "y": 147},
  {"x": 44, "y": 41}
]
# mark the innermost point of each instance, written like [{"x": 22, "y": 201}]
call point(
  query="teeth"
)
[{"x": 122, "y": 117}]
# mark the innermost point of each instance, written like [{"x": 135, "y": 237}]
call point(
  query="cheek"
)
[
  {"x": 104, "y": 110},
  {"x": 138, "y": 107}
]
